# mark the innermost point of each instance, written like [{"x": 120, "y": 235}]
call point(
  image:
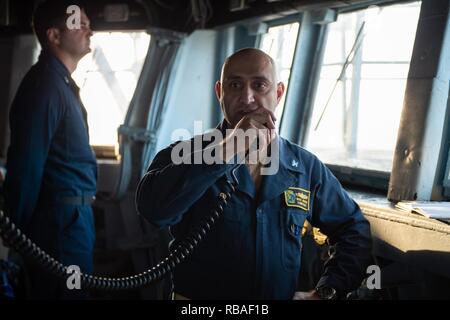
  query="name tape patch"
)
[{"x": 297, "y": 197}]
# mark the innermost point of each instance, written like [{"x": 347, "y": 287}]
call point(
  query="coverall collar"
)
[
  {"x": 49, "y": 58},
  {"x": 53, "y": 62},
  {"x": 290, "y": 166}
]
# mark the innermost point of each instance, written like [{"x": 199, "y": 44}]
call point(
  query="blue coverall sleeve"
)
[
  {"x": 168, "y": 190},
  {"x": 341, "y": 219},
  {"x": 34, "y": 119}
]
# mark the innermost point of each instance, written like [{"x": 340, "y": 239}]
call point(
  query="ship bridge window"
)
[
  {"x": 359, "y": 96},
  {"x": 107, "y": 78},
  {"x": 279, "y": 42}
]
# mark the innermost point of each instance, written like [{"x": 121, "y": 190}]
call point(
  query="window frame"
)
[
  {"x": 293, "y": 18},
  {"x": 111, "y": 151},
  {"x": 350, "y": 176}
]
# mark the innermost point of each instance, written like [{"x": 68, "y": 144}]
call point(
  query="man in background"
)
[{"x": 51, "y": 168}]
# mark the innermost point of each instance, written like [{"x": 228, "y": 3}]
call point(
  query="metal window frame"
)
[{"x": 348, "y": 175}]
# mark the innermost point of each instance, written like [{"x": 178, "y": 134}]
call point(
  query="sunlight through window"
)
[
  {"x": 357, "y": 109},
  {"x": 279, "y": 42},
  {"x": 107, "y": 78}
]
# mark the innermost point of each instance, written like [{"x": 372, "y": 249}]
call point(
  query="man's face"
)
[
  {"x": 248, "y": 83},
  {"x": 76, "y": 42}
]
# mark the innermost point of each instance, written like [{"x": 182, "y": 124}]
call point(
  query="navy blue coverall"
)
[
  {"x": 254, "y": 250},
  {"x": 51, "y": 172}
]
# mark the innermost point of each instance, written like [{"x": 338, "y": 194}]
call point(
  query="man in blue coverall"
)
[
  {"x": 51, "y": 168},
  {"x": 254, "y": 250}
]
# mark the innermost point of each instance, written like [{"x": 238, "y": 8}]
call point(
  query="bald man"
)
[{"x": 254, "y": 250}]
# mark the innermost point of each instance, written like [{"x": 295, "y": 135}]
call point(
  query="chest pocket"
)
[{"x": 292, "y": 224}]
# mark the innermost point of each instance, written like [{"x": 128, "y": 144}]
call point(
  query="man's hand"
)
[
  {"x": 262, "y": 122},
  {"x": 261, "y": 118},
  {"x": 310, "y": 295}
]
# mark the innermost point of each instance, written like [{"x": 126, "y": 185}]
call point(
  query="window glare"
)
[
  {"x": 359, "y": 126},
  {"x": 279, "y": 42},
  {"x": 107, "y": 78}
]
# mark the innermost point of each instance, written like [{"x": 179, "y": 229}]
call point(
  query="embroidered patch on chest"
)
[{"x": 297, "y": 197}]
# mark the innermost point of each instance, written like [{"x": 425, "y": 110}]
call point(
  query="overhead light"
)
[
  {"x": 116, "y": 12},
  {"x": 5, "y": 13},
  {"x": 238, "y": 5}
]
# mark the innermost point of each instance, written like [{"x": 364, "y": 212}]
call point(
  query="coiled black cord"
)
[{"x": 14, "y": 238}]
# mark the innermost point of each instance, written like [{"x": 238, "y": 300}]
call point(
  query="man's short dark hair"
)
[{"x": 51, "y": 14}]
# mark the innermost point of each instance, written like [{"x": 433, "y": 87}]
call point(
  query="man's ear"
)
[
  {"x": 218, "y": 90},
  {"x": 53, "y": 36},
  {"x": 280, "y": 91}
]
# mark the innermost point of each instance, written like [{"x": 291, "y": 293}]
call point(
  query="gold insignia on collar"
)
[{"x": 297, "y": 197}]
